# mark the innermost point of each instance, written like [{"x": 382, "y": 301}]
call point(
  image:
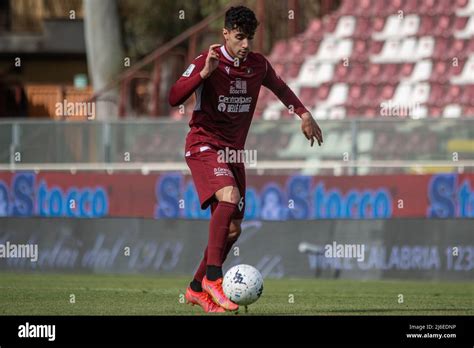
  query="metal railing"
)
[{"x": 350, "y": 146}]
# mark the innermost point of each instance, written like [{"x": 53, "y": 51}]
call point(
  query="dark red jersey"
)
[{"x": 226, "y": 100}]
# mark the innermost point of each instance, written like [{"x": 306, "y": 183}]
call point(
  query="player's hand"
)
[
  {"x": 311, "y": 129},
  {"x": 212, "y": 61}
]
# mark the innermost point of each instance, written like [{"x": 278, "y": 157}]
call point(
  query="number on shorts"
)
[{"x": 241, "y": 203}]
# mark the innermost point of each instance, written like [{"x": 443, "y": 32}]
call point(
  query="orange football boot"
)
[
  {"x": 215, "y": 291},
  {"x": 202, "y": 299}
]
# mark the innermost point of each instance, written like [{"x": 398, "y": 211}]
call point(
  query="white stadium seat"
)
[
  {"x": 467, "y": 10},
  {"x": 420, "y": 111},
  {"x": 420, "y": 93},
  {"x": 402, "y": 93},
  {"x": 452, "y": 111},
  {"x": 468, "y": 31},
  {"x": 421, "y": 72},
  {"x": 407, "y": 48},
  {"x": 467, "y": 75},
  {"x": 424, "y": 48},
  {"x": 391, "y": 29},
  {"x": 410, "y": 25},
  {"x": 312, "y": 73},
  {"x": 345, "y": 27},
  {"x": 337, "y": 95},
  {"x": 388, "y": 54}
]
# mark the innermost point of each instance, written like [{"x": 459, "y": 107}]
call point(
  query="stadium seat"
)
[
  {"x": 468, "y": 31},
  {"x": 311, "y": 47},
  {"x": 407, "y": 48},
  {"x": 388, "y": 54},
  {"x": 337, "y": 95},
  {"x": 465, "y": 8},
  {"x": 421, "y": 93},
  {"x": 308, "y": 96},
  {"x": 357, "y": 73},
  {"x": 402, "y": 93},
  {"x": 312, "y": 73},
  {"x": 427, "y": 25},
  {"x": 403, "y": 51},
  {"x": 457, "y": 49},
  {"x": 363, "y": 28},
  {"x": 452, "y": 111},
  {"x": 441, "y": 48},
  {"x": 390, "y": 30},
  {"x": 425, "y": 47},
  {"x": 467, "y": 74},
  {"x": 342, "y": 72},
  {"x": 420, "y": 111},
  {"x": 337, "y": 113},
  {"x": 421, "y": 72},
  {"x": 345, "y": 27},
  {"x": 443, "y": 26},
  {"x": 410, "y": 25}
]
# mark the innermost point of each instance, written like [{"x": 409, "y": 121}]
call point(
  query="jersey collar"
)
[{"x": 227, "y": 55}]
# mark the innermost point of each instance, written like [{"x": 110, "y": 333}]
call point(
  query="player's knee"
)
[
  {"x": 234, "y": 232},
  {"x": 229, "y": 194}
]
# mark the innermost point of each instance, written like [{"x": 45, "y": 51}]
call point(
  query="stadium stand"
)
[{"x": 415, "y": 57}]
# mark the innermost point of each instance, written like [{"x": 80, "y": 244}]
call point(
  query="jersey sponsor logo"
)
[
  {"x": 221, "y": 107},
  {"x": 189, "y": 70},
  {"x": 234, "y": 104},
  {"x": 219, "y": 171},
  {"x": 238, "y": 86},
  {"x": 227, "y": 68}
]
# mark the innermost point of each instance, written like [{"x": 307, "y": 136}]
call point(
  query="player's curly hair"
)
[{"x": 241, "y": 18}]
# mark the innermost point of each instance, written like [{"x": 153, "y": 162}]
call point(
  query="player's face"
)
[{"x": 237, "y": 43}]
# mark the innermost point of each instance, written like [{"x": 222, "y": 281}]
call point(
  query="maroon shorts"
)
[{"x": 210, "y": 176}]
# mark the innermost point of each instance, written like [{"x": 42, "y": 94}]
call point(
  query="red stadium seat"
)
[
  {"x": 435, "y": 112},
  {"x": 315, "y": 30},
  {"x": 390, "y": 73},
  {"x": 371, "y": 96},
  {"x": 436, "y": 94},
  {"x": 363, "y": 28},
  {"x": 355, "y": 95},
  {"x": 360, "y": 50},
  {"x": 457, "y": 49},
  {"x": 362, "y": 8},
  {"x": 323, "y": 92},
  {"x": 342, "y": 72},
  {"x": 308, "y": 95},
  {"x": 428, "y": 23},
  {"x": 411, "y": 6},
  {"x": 412, "y": 61},
  {"x": 373, "y": 73},
  {"x": 443, "y": 26},
  {"x": 441, "y": 48},
  {"x": 388, "y": 91},
  {"x": 310, "y": 47},
  {"x": 357, "y": 72},
  {"x": 406, "y": 70}
]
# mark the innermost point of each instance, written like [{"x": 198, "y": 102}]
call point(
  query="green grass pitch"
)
[{"x": 50, "y": 294}]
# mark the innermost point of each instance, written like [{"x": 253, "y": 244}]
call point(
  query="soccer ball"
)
[{"x": 243, "y": 284}]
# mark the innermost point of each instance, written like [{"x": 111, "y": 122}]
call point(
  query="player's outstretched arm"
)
[
  {"x": 310, "y": 128},
  {"x": 201, "y": 68}
]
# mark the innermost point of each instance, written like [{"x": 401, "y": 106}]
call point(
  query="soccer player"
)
[{"x": 227, "y": 80}]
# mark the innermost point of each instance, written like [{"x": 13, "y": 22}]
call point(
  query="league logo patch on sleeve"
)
[{"x": 189, "y": 70}]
